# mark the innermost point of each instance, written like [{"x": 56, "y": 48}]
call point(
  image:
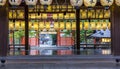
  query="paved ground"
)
[
  {"x": 60, "y": 66},
  {"x": 60, "y": 62}
]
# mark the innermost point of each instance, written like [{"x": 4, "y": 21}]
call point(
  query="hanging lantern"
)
[
  {"x": 62, "y": 25},
  {"x": 72, "y": 15},
  {"x": 30, "y": 25},
  {"x": 109, "y": 25},
  {"x": 98, "y": 27},
  {"x": 31, "y": 2},
  {"x": 15, "y": 2},
  {"x": 54, "y": 16},
  {"x": 17, "y": 25},
  {"x": 11, "y": 25},
  {"x": 93, "y": 25},
  {"x": 68, "y": 25},
  {"x": 117, "y": 2},
  {"x": 67, "y": 16},
  {"x": 90, "y": 3},
  {"x": 106, "y": 2},
  {"x": 106, "y": 13},
  {"x": 60, "y": 15},
  {"x": 22, "y": 24},
  {"x": 73, "y": 25},
  {"x": 2, "y": 2},
  {"x": 47, "y": 24},
  {"x": 76, "y": 3},
  {"x": 81, "y": 25},
  {"x": 44, "y": 16},
  {"x": 45, "y": 2},
  {"x": 35, "y": 25},
  {"x": 86, "y": 25},
  {"x": 56, "y": 25},
  {"x": 41, "y": 25},
  {"x": 104, "y": 25}
]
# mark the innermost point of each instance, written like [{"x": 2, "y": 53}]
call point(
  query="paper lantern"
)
[
  {"x": 31, "y": 2},
  {"x": 67, "y": 16},
  {"x": 72, "y": 15},
  {"x": 93, "y": 25},
  {"x": 54, "y": 16},
  {"x": 15, "y": 2},
  {"x": 2, "y": 2},
  {"x": 98, "y": 27},
  {"x": 86, "y": 25},
  {"x": 90, "y": 3},
  {"x": 44, "y": 16},
  {"x": 81, "y": 25},
  {"x": 104, "y": 25},
  {"x": 62, "y": 25},
  {"x": 73, "y": 25},
  {"x": 47, "y": 25},
  {"x": 45, "y": 2},
  {"x": 56, "y": 25},
  {"x": 117, "y": 2},
  {"x": 106, "y": 2},
  {"x": 35, "y": 25},
  {"x": 30, "y": 25},
  {"x": 60, "y": 15},
  {"x": 107, "y": 13},
  {"x": 68, "y": 25},
  {"x": 22, "y": 24},
  {"x": 11, "y": 25},
  {"x": 17, "y": 25},
  {"x": 76, "y": 3},
  {"x": 41, "y": 25}
]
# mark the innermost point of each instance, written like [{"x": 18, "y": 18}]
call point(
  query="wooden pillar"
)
[
  {"x": 77, "y": 31},
  {"x": 115, "y": 29},
  {"x": 26, "y": 31},
  {"x": 3, "y": 30}
]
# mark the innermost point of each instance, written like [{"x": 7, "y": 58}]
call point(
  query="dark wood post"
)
[
  {"x": 115, "y": 28},
  {"x": 26, "y": 31},
  {"x": 77, "y": 31},
  {"x": 3, "y": 31}
]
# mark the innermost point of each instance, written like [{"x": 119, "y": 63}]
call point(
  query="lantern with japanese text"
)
[
  {"x": 106, "y": 2},
  {"x": 117, "y": 2},
  {"x": 2, "y": 2},
  {"x": 77, "y": 3},
  {"x": 31, "y": 2},
  {"x": 15, "y": 2},
  {"x": 90, "y": 3},
  {"x": 45, "y": 2}
]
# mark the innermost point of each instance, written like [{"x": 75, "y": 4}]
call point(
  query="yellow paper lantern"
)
[
  {"x": 86, "y": 25},
  {"x": 31, "y": 2},
  {"x": 10, "y": 14},
  {"x": 15, "y": 2},
  {"x": 67, "y": 16},
  {"x": 54, "y": 16},
  {"x": 30, "y": 25},
  {"x": 11, "y": 25},
  {"x": 104, "y": 25},
  {"x": 81, "y": 25},
  {"x": 90, "y": 3},
  {"x": 22, "y": 24},
  {"x": 73, "y": 25},
  {"x": 45, "y": 2},
  {"x": 56, "y": 25},
  {"x": 76, "y": 2},
  {"x": 44, "y": 16},
  {"x": 106, "y": 13},
  {"x": 17, "y": 25},
  {"x": 60, "y": 15},
  {"x": 93, "y": 25},
  {"x": 72, "y": 15},
  {"x": 68, "y": 25},
  {"x": 62, "y": 25},
  {"x": 106, "y": 2},
  {"x": 117, "y": 2},
  {"x": 35, "y": 25},
  {"x": 47, "y": 24},
  {"x": 98, "y": 27},
  {"x": 41, "y": 25},
  {"x": 2, "y": 2}
]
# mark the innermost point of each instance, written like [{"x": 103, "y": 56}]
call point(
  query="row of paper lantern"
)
[
  {"x": 87, "y": 3},
  {"x": 60, "y": 25}
]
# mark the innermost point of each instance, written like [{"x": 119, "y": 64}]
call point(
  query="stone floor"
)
[{"x": 60, "y": 66}]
